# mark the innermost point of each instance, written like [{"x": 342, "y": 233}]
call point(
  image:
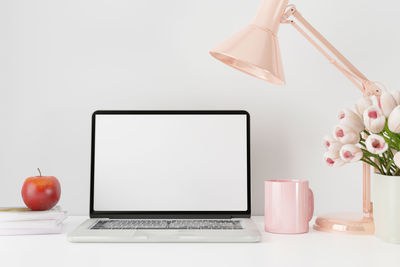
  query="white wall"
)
[{"x": 61, "y": 60}]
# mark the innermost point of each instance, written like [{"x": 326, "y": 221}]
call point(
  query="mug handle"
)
[{"x": 310, "y": 204}]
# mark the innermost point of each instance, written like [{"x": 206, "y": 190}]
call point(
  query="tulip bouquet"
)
[{"x": 370, "y": 133}]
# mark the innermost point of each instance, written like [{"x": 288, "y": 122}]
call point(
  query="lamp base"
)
[{"x": 348, "y": 223}]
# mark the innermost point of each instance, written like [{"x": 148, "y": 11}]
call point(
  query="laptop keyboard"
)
[{"x": 167, "y": 224}]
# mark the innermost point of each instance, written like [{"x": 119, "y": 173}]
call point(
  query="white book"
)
[
  {"x": 32, "y": 231},
  {"x": 25, "y": 214},
  {"x": 34, "y": 224}
]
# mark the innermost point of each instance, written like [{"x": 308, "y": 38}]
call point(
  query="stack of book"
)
[{"x": 23, "y": 221}]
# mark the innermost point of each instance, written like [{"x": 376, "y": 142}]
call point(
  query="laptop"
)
[{"x": 169, "y": 176}]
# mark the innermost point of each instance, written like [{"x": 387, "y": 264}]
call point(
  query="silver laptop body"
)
[{"x": 169, "y": 176}]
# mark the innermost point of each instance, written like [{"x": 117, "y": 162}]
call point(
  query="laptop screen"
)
[{"x": 170, "y": 162}]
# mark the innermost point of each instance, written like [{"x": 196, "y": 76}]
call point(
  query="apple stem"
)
[{"x": 40, "y": 173}]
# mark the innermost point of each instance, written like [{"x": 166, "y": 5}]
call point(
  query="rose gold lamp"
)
[{"x": 255, "y": 51}]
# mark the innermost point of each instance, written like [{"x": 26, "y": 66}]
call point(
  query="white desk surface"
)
[{"x": 312, "y": 249}]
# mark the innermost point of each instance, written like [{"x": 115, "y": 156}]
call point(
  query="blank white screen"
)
[{"x": 152, "y": 162}]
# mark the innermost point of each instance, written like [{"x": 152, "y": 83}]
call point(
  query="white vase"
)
[{"x": 386, "y": 207}]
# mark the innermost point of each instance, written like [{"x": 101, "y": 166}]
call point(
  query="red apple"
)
[{"x": 41, "y": 192}]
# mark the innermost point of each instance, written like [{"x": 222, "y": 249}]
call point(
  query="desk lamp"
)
[{"x": 255, "y": 51}]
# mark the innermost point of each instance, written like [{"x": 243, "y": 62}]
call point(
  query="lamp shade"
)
[{"x": 255, "y": 49}]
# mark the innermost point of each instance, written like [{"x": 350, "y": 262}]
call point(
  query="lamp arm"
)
[
  {"x": 352, "y": 73},
  {"x": 345, "y": 66}
]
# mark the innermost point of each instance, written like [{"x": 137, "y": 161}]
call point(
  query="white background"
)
[
  {"x": 170, "y": 162},
  {"x": 61, "y": 60}
]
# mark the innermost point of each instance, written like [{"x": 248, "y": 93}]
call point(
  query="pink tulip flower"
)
[
  {"x": 333, "y": 159},
  {"x": 396, "y": 96},
  {"x": 346, "y": 135},
  {"x": 362, "y": 104},
  {"x": 331, "y": 144},
  {"x": 350, "y": 153},
  {"x": 350, "y": 119},
  {"x": 394, "y": 120},
  {"x": 396, "y": 158},
  {"x": 374, "y": 120},
  {"x": 387, "y": 103},
  {"x": 376, "y": 144},
  {"x": 375, "y": 100}
]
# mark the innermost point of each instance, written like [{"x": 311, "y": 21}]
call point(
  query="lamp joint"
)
[
  {"x": 373, "y": 88},
  {"x": 290, "y": 10}
]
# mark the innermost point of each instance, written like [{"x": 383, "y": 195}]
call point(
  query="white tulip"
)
[
  {"x": 362, "y": 104},
  {"x": 376, "y": 144},
  {"x": 374, "y": 120},
  {"x": 350, "y": 153},
  {"x": 396, "y": 158},
  {"x": 333, "y": 159},
  {"x": 346, "y": 135},
  {"x": 387, "y": 103},
  {"x": 331, "y": 144},
  {"x": 396, "y": 96},
  {"x": 350, "y": 119},
  {"x": 375, "y": 100},
  {"x": 394, "y": 120}
]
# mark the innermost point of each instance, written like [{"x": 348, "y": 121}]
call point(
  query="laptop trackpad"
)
[{"x": 140, "y": 237}]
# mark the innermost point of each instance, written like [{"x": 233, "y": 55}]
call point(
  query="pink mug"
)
[{"x": 289, "y": 206}]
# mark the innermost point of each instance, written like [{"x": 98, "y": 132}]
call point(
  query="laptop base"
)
[{"x": 83, "y": 234}]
